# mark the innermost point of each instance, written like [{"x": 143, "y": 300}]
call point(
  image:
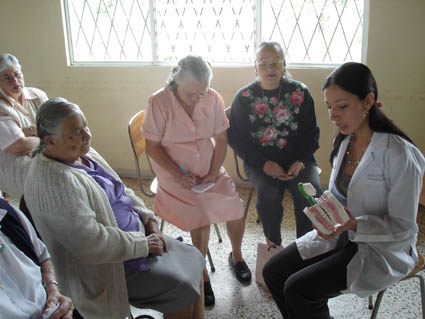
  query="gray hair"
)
[
  {"x": 194, "y": 65},
  {"x": 50, "y": 116},
  {"x": 7, "y": 60},
  {"x": 273, "y": 45},
  {"x": 278, "y": 48}
]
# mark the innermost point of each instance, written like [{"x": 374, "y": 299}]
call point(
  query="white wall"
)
[{"x": 33, "y": 31}]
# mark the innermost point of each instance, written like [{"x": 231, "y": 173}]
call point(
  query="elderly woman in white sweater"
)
[{"x": 105, "y": 244}]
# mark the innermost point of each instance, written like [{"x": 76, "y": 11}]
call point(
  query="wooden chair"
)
[
  {"x": 413, "y": 274},
  {"x": 239, "y": 173},
  {"x": 244, "y": 179},
  {"x": 138, "y": 144}
]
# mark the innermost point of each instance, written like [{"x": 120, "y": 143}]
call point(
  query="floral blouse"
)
[{"x": 278, "y": 125}]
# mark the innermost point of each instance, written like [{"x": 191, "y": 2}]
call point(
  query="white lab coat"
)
[{"x": 383, "y": 195}]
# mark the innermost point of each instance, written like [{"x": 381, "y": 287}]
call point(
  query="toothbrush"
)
[{"x": 306, "y": 190}]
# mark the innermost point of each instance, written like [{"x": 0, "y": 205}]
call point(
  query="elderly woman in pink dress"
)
[{"x": 185, "y": 128}]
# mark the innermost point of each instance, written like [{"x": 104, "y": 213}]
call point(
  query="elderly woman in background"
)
[
  {"x": 377, "y": 175},
  {"x": 185, "y": 128},
  {"x": 105, "y": 244},
  {"x": 273, "y": 129},
  {"x": 18, "y": 135}
]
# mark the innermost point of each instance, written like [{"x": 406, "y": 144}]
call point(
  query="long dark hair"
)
[{"x": 358, "y": 79}]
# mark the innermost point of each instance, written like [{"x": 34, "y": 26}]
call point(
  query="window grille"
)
[{"x": 312, "y": 32}]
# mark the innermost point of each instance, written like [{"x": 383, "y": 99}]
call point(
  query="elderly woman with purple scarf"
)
[{"x": 105, "y": 244}]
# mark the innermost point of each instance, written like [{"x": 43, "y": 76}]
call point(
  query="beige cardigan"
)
[{"x": 74, "y": 217}]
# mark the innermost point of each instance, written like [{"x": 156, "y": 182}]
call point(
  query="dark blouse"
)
[
  {"x": 278, "y": 125},
  {"x": 342, "y": 182}
]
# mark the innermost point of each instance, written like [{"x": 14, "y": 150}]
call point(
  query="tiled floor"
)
[
  {"x": 252, "y": 301},
  {"x": 234, "y": 300}
]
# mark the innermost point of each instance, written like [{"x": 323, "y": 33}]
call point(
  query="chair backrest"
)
[
  {"x": 138, "y": 144},
  {"x": 228, "y": 110},
  {"x": 236, "y": 158},
  {"x": 137, "y": 140}
]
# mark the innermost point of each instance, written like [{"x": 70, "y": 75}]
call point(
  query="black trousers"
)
[
  {"x": 302, "y": 288},
  {"x": 270, "y": 194}
]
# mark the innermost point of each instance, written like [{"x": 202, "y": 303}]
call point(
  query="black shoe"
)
[
  {"x": 209, "y": 294},
  {"x": 241, "y": 270}
]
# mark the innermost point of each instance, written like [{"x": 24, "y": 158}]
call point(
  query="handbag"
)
[{"x": 264, "y": 253}]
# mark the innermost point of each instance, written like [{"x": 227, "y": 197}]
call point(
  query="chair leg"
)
[
  {"x": 217, "y": 231},
  {"x": 422, "y": 284},
  {"x": 210, "y": 261},
  {"x": 370, "y": 306},
  {"x": 377, "y": 304},
  {"x": 381, "y": 295}
]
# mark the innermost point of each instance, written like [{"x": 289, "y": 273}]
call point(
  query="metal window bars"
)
[{"x": 224, "y": 32}]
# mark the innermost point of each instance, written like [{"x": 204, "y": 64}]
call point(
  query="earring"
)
[{"x": 366, "y": 113}]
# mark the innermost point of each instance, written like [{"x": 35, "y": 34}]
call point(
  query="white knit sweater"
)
[
  {"x": 13, "y": 169},
  {"x": 74, "y": 217}
]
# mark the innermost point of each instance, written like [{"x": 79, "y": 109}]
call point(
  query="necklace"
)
[
  {"x": 280, "y": 90},
  {"x": 349, "y": 154}
]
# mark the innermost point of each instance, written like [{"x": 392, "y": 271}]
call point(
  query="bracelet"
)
[
  {"x": 302, "y": 166},
  {"x": 51, "y": 282}
]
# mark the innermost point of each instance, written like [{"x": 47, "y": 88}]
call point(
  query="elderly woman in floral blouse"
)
[{"x": 273, "y": 129}]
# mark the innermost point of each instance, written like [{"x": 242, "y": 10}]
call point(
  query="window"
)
[{"x": 226, "y": 32}]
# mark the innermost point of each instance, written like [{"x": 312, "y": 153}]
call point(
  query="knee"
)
[
  {"x": 267, "y": 273},
  {"x": 271, "y": 272},
  {"x": 270, "y": 195},
  {"x": 188, "y": 294},
  {"x": 290, "y": 290}
]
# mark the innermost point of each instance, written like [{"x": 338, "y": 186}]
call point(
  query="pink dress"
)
[{"x": 188, "y": 142}]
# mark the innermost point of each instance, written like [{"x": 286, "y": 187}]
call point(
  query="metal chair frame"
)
[
  {"x": 239, "y": 172},
  {"x": 138, "y": 145},
  {"x": 244, "y": 179},
  {"x": 413, "y": 274}
]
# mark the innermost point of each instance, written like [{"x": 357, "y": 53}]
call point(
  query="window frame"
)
[{"x": 154, "y": 63}]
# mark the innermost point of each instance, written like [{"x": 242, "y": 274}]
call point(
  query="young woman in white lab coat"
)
[{"x": 377, "y": 175}]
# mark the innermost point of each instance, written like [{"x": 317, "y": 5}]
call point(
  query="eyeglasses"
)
[
  {"x": 195, "y": 95},
  {"x": 10, "y": 77},
  {"x": 275, "y": 64}
]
